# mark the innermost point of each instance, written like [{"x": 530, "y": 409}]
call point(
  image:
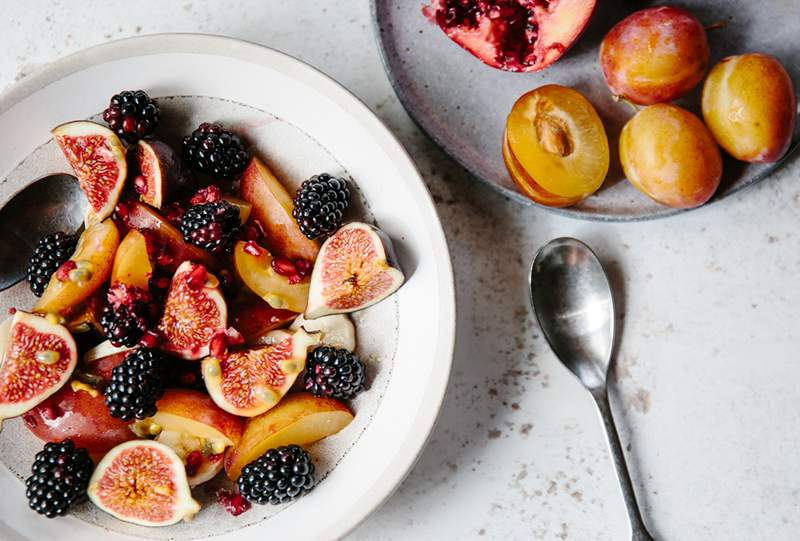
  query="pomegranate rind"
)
[
  {"x": 143, "y": 482},
  {"x": 163, "y": 172},
  {"x": 97, "y": 157},
  {"x": 249, "y": 382},
  {"x": 559, "y": 24},
  {"x": 354, "y": 270},
  {"x": 191, "y": 317},
  {"x": 27, "y": 376}
]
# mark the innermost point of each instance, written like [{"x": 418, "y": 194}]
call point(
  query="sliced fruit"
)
[
  {"x": 248, "y": 382},
  {"x": 245, "y": 208},
  {"x": 354, "y": 271},
  {"x": 132, "y": 263},
  {"x": 555, "y": 147},
  {"x": 194, "y": 312},
  {"x": 655, "y": 55},
  {"x": 98, "y": 158},
  {"x": 253, "y": 317},
  {"x": 336, "y": 331},
  {"x": 103, "y": 358},
  {"x": 162, "y": 176},
  {"x": 299, "y": 419},
  {"x": 670, "y": 156},
  {"x": 143, "y": 482},
  {"x": 165, "y": 242},
  {"x": 196, "y": 429},
  {"x": 38, "y": 357},
  {"x": 78, "y": 412},
  {"x": 84, "y": 273},
  {"x": 87, "y": 316},
  {"x": 513, "y": 35},
  {"x": 254, "y": 266},
  {"x": 272, "y": 207},
  {"x": 750, "y": 106}
]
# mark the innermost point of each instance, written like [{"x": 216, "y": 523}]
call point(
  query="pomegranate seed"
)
[
  {"x": 129, "y": 124},
  {"x": 218, "y": 345},
  {"x": 149, "y": 339},
  {"x": 283, "y": 266},
  {"x": 233, "y": 502},
  {"x": 215, "y": 458},
  {"x": 252, "y": 248},
  {"x": 295, "y": 279},
  {"x": 209, "y": 194},
  {"x": 12, "y": 311},
  {"x": 193, "y": 462},
  {"x": 161, "y": 282},
  {"x": 140, "y": 184},
  {"x": 197, "y": 277},
  {"x": 233, "y": 337},
  {"x": 30, "y": 421},
  {"x": 121, "y": 212},
  {"x": 304, "y": 267},
  {"x": 63, "y": 271}
]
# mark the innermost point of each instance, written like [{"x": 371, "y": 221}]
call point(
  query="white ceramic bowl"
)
[{"x": 303, "y": 123}]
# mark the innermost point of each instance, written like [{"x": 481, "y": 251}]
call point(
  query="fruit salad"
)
[{"x": 197, "y": 327}]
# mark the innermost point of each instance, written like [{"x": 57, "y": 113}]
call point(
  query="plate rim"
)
[
  {"x": 566, "y": 212},
  {"x": 411, "y": 448}
]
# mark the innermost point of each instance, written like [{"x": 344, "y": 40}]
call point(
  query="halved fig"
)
[
  {"x": 143, "y": 482},
  {"x": 194, "y": 312},
  {"x": 196, "y": 429},
  {"x": 253, "y": 317},
  {"x": 132, "y": 265},
  {"x": 38, "y": 357},
  {"x": 513, "y": 35},
  {"x": 250, "y": 381},
  {"x": 98, "y": 158},
  {"x": 299, "y": 419},
  {"x": 336, "y": 331},
  {"x": 83, "y": 274},
  {"x": 165, "y": 243},
  {"x": 162, "y": 176},
  {"x": 78, "y": 412},
  {"x": 255, "y": 267},
  {"x": 354, "y": 270}
]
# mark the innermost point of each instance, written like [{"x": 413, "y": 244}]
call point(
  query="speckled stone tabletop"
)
[{"x": 704, "y": 388}]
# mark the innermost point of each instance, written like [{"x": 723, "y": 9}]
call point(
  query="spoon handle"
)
[{"x": 638, "y": 529}]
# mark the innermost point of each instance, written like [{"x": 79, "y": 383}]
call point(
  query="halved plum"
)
[{"x": 513, "y": 35}]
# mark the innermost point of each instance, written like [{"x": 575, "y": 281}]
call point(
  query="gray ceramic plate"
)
[{"x": 462, "y": 104}]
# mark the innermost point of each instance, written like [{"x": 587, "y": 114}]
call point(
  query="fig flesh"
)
[
  {"x": 194, "y": 312},
  {"x": 97, "y": 157},
  {"x": 250, "y": 381},
  {"x": 162, "y": 176},
  {"x": 354, "y": 270},
  {"x": 38, "y": 357},
  {"x": 143, "y": 482}
]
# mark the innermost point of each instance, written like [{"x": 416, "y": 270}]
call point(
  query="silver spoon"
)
[
  {"x": 572, "y": 300},
  {"x": 52, "y": 203}
]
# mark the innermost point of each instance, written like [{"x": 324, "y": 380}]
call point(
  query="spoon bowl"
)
[{"x": 52, "y": 203}]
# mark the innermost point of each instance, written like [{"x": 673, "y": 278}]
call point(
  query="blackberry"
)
[
  {"x": 59, "y": 476},
  {"x": 50, "y": 253},
  {"x": 127, "y": 316},
  {"x": 213, "y": 150},
  {"x": 278, "y": 476},
  {"x": 132, "y": 115},
  {"x": 334, "y": 373},
  {"x": 213, "y": 226},
  {"x": 320, "y": 204},
  {"x": 136, "y": 385}
]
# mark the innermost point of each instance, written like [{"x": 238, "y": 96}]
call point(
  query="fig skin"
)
[{"x": 166, "y": 178}]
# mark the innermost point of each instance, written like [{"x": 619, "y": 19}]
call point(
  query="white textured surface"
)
[{"x": 704, "y": 389}]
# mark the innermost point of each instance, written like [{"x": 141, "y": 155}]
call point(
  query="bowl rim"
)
[{"x": 436, "y": 386}]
